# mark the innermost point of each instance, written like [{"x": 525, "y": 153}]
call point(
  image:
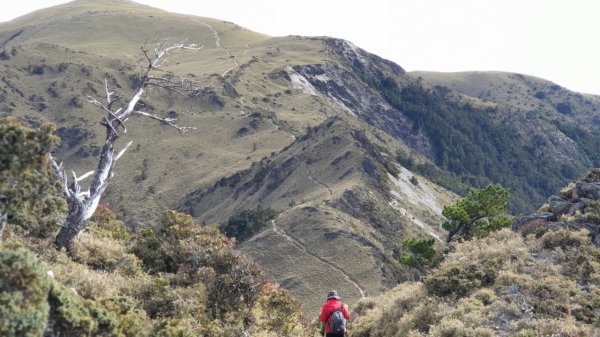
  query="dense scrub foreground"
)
[
  {"x": 170, "y": 278},
  {"x": 174, "y": 279},
  {"x": 502, "y": 285}
]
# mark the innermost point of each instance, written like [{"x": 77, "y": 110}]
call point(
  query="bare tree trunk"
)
[
  {"x": 3, "y": 217},
  {"x": 82, "y": 204},
  {"x": 73, "y": 225}
]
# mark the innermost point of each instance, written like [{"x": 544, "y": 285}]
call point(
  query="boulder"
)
[
  {"x": 588, "y": 190},
  {"x": 558, "y": 206},
  {"x": 578, "y": 206},
  {"x": 528, "y": 219}
]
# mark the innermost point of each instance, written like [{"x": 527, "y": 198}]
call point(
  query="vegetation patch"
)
[{"x": 245, "y": 224}]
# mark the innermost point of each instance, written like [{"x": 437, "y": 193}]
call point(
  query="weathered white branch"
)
[
  {"x": 85, "y": 175},
  {"x": 108, "y": 93},
  {"x": 61, "y": 174},
  {"x": 168, "y": 121},
  {"x": 123, "y": 151}
]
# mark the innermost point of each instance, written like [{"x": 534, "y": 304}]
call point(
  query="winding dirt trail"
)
[
  {"x": 300, "y": 246},
  {"x": 236, "y": 62},
  {"x": 310, "y": 177}
]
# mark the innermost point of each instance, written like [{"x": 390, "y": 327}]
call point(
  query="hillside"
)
[
  {"x": 523, "y": 92},
  {"x": 337, "y": 200},
  {"x": 542, "y": 279},
  {"x": 313, "y": 127},
  {"x": 552, "y": 125}
]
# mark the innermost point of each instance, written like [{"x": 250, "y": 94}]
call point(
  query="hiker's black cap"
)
[{"x": 333, "y": 294}]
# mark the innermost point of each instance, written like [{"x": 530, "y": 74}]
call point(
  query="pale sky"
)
[{"x": 558, "y": 40}]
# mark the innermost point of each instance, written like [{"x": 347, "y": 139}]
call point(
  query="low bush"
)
[
  {"x": 247, "y": 223},
  {"x": 459, "y": 281},
  {"x": 72, "y": 315},
  {"x": 565, "y": 239},
  {"x": 24, "y": 287},
  {"x": 450, "y": 327},
  {"x": 98, "y": 252}
]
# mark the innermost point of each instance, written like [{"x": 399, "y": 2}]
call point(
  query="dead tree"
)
[
  {"x": 82, "y": 204},
  {"x": 3, "y": 215}
]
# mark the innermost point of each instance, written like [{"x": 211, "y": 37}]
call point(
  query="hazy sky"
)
[{"x": 558, "y": 40}]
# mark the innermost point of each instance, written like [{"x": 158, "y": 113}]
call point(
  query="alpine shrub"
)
[{"x": 24, "y": 287}]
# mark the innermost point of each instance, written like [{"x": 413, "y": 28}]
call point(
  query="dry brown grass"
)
[{"x": 540, "y": 287}]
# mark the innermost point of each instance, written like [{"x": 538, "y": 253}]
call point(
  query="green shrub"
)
[
  {"x": 565, "y": 239},
  {"x": 98, "y": 252},
  {"x": 458, "y": 281},
  {"x": 417, "y": 252},
  {"x": 201, "y": 254},
  {"x": 104, "y": 222},
  {"x": 72, "y": 315},
  {"x": 479, "y": 213},
  {"x": 455, "y": 328},
  {"x": 69, "y": 316},
  {"x": 173, "y": 328},
  {"x": 277, "y": 311},
  {"x": 24, "y": 287},
  {"x": 120, "y": 316},
  {"x": 32, "y": 191},
  {"x": 148, "y": 248},
  {"x": 592, "y": 176},
  {"x": 247, "y": 223}
]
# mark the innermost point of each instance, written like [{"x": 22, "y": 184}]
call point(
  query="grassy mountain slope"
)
[
  {"x": 250, "y": 105},
  {"x": 110, "y": 27},
  {"x": 338, "y": 200},
  {"x": 265, "y": 136}
]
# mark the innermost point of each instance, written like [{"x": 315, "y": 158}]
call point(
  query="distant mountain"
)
[
  {"x": 522, "y": 92},
  {"x": 350, "y": 148}
]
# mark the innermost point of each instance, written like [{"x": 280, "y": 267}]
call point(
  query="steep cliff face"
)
[
  {"x": 346, "y": 82},
  {"x": 478, "y": 140}
]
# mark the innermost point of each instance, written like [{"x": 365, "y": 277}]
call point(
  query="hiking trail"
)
[
  {"x": 300, "y": 246},
  {"x": 310, "y": 177}
]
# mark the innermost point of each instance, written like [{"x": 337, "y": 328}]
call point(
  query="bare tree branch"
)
[
  {"x": 168, "y": 121},
  {"x": 82, "y": 204}
]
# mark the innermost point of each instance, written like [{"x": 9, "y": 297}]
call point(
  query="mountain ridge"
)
[{"x": 257, "y": 99}]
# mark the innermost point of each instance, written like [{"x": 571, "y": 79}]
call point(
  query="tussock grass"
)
[{"x": 538, "y": 287}]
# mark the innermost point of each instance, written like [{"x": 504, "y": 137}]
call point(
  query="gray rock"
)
[
  {"x": 529, "y": 218},
  {"x": 576, "y": 206},
  {"x": 558, "y": 206},
  {"x": 588, "y": 190}
]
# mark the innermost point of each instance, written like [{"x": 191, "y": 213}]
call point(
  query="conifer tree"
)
[{"x": 480, "y": 212}]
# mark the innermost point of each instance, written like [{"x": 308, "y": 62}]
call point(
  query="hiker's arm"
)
[
  {"x": 345, "y": 311},
  {"x": 323, "y": 315}
]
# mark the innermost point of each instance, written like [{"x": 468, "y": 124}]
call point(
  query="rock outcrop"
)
[{"x": 576, "y": 207}]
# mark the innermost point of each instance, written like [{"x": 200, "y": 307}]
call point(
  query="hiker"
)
[{"x": 334, "y": 315}]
